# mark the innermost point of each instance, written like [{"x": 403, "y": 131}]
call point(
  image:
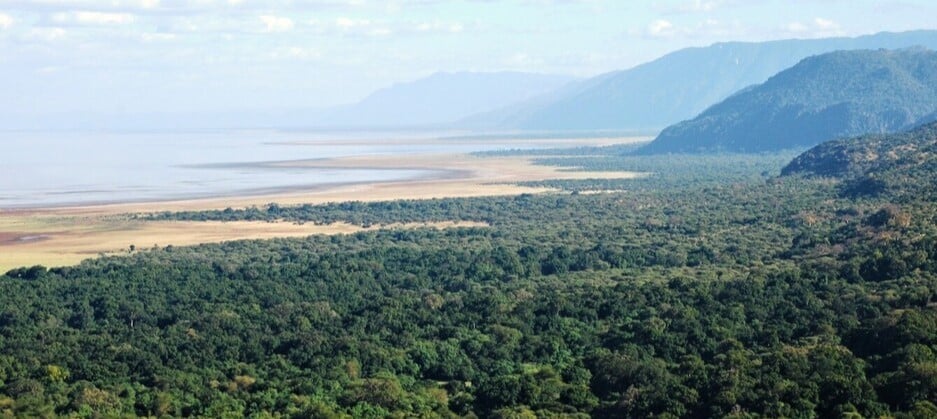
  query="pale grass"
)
[{"x": 59, "y": 244}]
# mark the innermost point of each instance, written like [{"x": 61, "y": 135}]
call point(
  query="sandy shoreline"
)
[
  {"x": 66, "y": 235},
  {"x": 453, "y": 175}
]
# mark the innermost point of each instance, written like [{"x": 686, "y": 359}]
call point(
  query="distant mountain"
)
[
  {"x": 432, "y": 101},
  {"x": 677, "y": 86},
  {"x": 893, "y": 164},
  {"x": 828, "y": 96},
  {"x": 441, "y": 98}
]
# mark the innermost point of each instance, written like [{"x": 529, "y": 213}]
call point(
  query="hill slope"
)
[
  {"x": 441, "y": 98},
  {"x": 895, "y": 164},
  {"x": 834, "y": 95},
  {"x": 679, "y": 85}
]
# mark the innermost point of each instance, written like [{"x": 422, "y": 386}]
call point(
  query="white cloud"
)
[
  {"x": 692, "y": 6},
  {"x": 157, "y": 37},
  {"x": 817, "y": 28},
  {"x": 5, "y": 21},
  {"x": 46, "y": 34},
  {"x": 523, "y": 61},
  {"x": 49, "y": 69},
  {"x": 825, "y": 24},
  {"x": 438, "y": 26},
  {"x": 92, "y": 18},
  {"x": 364, "y": 27},
  {"x": 707, "y": 29},
  {"x": 700, "y": 6},
  {"x": 296, "y": 53},
  {"x": 796, "y": 27},
  {"x": 346, "y": 23},
  {"x": 661, "y": 29},
  {"x": 276, "y": 23}
]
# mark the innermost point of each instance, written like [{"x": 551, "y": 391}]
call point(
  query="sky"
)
[{"x": 128, "y": 56}]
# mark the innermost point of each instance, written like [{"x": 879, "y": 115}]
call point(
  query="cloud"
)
[
  {"x": 296, "y": 53},
  {"x": 700, "y": 6},
  {"x": 693, "y": 6},
  {"x": 437, "y": 26},
  {"x": 796, "y": 27},
  {"x": 817, "y": 28},
  {"x": 660, "y": 29},
  {"x": 157, "y": 37},
  {"x": 276, "y": 23},
  {"x": 347, "y": 23},
  {"x": 92, "y": 18},
  {"x": 142, "y": 6},
  {"x": 365, "y": 27},
  {"x": 705, "y": 29},
  {"x": 5, "y": 21},
  {"x": 46, "y": 34},
  {"x": 522, "y": 60},
  {"x": 49, "y": 69},
  {"x": 826, "y": 24}
]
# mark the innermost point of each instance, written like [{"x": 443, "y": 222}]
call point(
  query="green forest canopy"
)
[{"x": 712, "y": 289}]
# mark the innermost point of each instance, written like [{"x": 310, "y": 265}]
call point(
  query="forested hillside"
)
[
  {"x": 830, "y": 96},
  {"x": 902, "y": 166},
  {"x": 711, "y": 289}
]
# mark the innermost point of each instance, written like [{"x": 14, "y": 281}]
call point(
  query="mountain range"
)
[
  {"x": 676, "y": 86},
  {"x": 440, "y": 98},
  {"x": 650, "y": 96},
  {"x": 838, "y": 94}
]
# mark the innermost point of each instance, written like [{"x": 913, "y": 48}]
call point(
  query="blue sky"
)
[{"x": 203, "y": 55}]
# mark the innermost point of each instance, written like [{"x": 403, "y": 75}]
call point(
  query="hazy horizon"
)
[{"x": 162, "y": 56}]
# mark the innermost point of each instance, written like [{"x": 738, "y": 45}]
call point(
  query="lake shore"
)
[{"x": 66, "y": 235}]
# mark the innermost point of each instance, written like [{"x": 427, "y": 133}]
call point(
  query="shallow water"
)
[{"x": 54, "y": 169}]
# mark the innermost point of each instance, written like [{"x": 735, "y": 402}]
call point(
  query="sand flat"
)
[
  {"x": 461, "y": 175},
  {"x": 544, "y": 141},
  {"x": 102, "y": 235},
  {"x": 64, "y": 236}
]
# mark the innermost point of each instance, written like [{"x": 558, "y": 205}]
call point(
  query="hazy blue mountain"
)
[
  {"x": 839, "y": 94},
  {"x": 431, "y": 101},
  {"x": 441, "y": 98},
  {"x": 677, "y": 86}
]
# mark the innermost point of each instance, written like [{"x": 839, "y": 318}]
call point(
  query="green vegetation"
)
[
  {"x": 712, "y": 289},
  {"x": 822, "y": 98},
  {"x": 901, "y": 166}
]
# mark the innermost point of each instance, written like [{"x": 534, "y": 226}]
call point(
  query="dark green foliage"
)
[
  {"x": 665, "y": 172},
  {"x": 683, "y": 296},
  {"x": 901, "y": 166},
  {"x": 30, "y": 273},
  {"x": 822, "y": 98}
]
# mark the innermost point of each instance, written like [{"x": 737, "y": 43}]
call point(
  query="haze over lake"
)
[{"x": 44, "y": 169}]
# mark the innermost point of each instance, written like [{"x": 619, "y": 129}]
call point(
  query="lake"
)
[{"x": 45, "y": 169}]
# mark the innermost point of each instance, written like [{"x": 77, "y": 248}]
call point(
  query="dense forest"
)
[
  {"x": 902, "y": 166},
  {"x": 713, "y": 288}
]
